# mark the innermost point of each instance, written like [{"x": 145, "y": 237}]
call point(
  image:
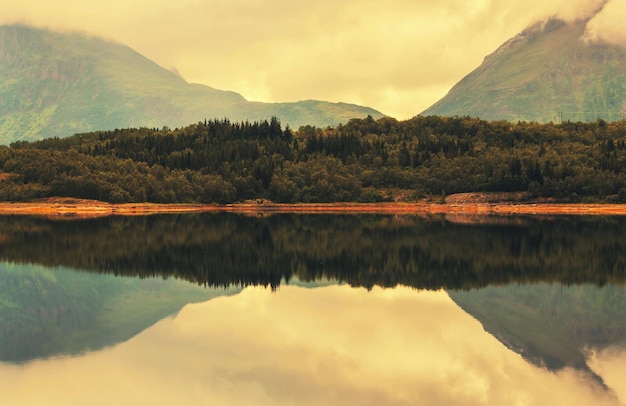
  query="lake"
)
[{"x": 227, "y": 309}]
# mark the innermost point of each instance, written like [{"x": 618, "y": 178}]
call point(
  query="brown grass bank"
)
[{"x": 79, "y": 208}]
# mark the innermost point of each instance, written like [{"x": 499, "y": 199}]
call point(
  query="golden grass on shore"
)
[{"x": 78, "y": 208}]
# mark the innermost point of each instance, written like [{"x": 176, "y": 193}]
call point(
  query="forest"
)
[{"x": 364, "y": 160}]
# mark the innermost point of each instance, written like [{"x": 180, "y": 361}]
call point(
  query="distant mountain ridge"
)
[
  {"x": 58, "y": 84},
  {"x": 545, "y": 73}
]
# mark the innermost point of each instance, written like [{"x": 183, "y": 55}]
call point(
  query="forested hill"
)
[{"x": 364, "y": 160}]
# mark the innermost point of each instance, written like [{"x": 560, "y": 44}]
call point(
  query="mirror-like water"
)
[{"x": 226, "y": 309}]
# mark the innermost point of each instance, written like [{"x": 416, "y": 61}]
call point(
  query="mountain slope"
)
[
  {"x": 54, "y": 84},
  {"x": 546, "y": 73}
]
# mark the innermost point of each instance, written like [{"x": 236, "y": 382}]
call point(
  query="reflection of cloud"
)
[
  {"x": 333, "y": 345},
  {"x": 398, "y": 56},
  {"x": 609, "y": 363}
]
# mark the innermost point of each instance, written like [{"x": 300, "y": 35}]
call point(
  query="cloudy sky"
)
[{"x": 398, "y": 56}]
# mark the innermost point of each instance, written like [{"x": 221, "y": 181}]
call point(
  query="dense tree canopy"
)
[{"x": 364, "y": 160}]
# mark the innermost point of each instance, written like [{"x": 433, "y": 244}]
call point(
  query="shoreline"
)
[{"x": 77, "y": 208}]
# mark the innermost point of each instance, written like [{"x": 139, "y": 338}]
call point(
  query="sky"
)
[
  {"x": 335, "y": 345},
  {"x": 397, "y": 56}
]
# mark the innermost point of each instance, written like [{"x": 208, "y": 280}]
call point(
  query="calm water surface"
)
[{"x": 296, "y": 310}]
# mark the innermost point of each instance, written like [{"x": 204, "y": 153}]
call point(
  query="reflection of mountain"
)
[
  {"x": 46, "y": 311},
  {"x": 550, "y": 325},
  {"x": 225, "y": 249}
]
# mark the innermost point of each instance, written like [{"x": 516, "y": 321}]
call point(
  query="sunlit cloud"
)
[{"x": 608, "y": 24}]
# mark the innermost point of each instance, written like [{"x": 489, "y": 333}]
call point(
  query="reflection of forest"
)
[{"x": 366, "y": 250}]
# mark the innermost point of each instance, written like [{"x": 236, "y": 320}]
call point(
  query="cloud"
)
[
  {"x": 579, "y": 10},
  {"x": 398, "y": 56},
  {"x": 608, "y": 24}
]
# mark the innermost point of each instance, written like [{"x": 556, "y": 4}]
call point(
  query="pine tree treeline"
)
[{"x": 364, "y": 160}]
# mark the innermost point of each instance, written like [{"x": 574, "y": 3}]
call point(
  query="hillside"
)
[
  {"x": 546, "y": 73},
  {"x": 58, "y": 84}
]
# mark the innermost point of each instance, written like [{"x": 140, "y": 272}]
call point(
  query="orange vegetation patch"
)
[
  {"x": 436, "y": 208},
  {"x": 78, "y": 208},
  {"x": 82, "y": 208},
  {"x": 5, "y": 176}
]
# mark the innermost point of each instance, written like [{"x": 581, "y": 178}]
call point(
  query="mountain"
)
[
  {"x": 58, "y": 84},
  {"x": 546, "y": 73}
]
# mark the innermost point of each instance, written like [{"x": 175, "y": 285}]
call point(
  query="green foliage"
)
[{"x": 222, "y": 162}]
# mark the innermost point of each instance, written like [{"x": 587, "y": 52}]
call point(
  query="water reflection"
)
[
  {"x": 225, "y": 249},
  {"x": 609, "y": 364},
  {"x": 533, "y": 314},
  {"x": 550, "y": 325},
  {"x": 330, "y": 345},
  {"x": 48, "y": 311}
]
